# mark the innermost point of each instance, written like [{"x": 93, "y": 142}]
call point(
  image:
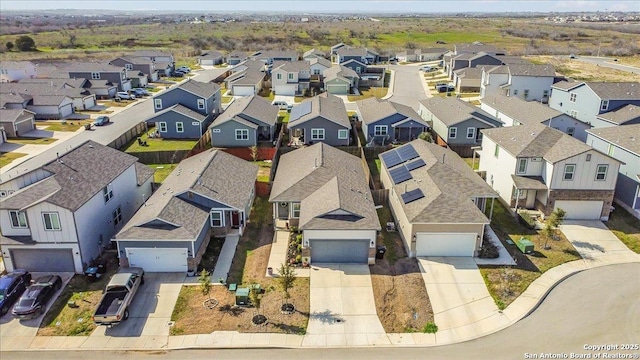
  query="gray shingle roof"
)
[
  {"x": 210, "y": 54},
  {"x": 313, "y": 52},
  {"x": 92, "y": 67},
  {"x": 529, "y": 182},
  {"x": 454, "y": 111},
  {"x": 606, "y": 90},
  {"x": 448, "y": 185},
  {"x": 525, "y": 112},
  {"x": 320, "y": 60},
  {"x": 326, "y": 181},
  {"x": 237, "y": 55},
  {"x": 31, "y": 194},
  {"x": 134, "y": 60},
  {"x": 536, "y": 140},
  {"x": 622, "y": 114},
  {"x": 246, "y": 108},
  {"x": 532, "y": 70},
  {"x": 349, "y": 51},
  {"x": 16, "y": 65},
  {"x": 183, "y": 110},
  {"x": 206, "y": 90},
  {"x": 292, "y": 66},
  {"x": 339, "y": 71},
  {"x": 11, "y": 115},
  {"x": 213, "y": 174},
  {"x": 474, "y": 73},
  {"x": 625, "y": 136},
  {"x": 476, "y": 47},
  {"x": 143, "y": 173},
  {"x": 374, "y": 109},
  {"x": 325, "y": 105}
]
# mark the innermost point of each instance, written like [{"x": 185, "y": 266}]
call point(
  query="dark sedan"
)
[
  {"x": 34, "y": 301},
  {"x": 11, "y": 287},
  {"x": 101, "y": 120}
]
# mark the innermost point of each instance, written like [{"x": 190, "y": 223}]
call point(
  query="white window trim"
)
[
  {"x": 279, "y": 76},
  {"x": 162, "y": 125},
  {"x": 377, "y": 130},
  {"x": 179, "y": 127},
  {"x": 53, "y": 228},
  {"x": 240, "y": 134},
  {"x": 221, "y": 220},
  {"x": 471, "y": 135},
  {"x": 117, "y": 216},
  {"x": 345, "y": 132},
  {"x": 604, "y": 105},
  {"x": 496, "y": 151},
  {"x": 157, "y": 103},
  {"x": 18, "y": 215},
  {"x": 293, "y": 210},
  {"x": 107, "y": 193},
  {"x": 573, "y": 114},
  {"x": 606, "y": 170},
  {"x": 201, "y": 104},
  {"x": 520, "y": 161},
  {"x": 95, "y": 76},
  {"x": 128, "y": 66},
  {"x": 565, "y": 172},
  {"x": 290, "y": 76},
  {"x": 573, "y": 97},
  {"x": 455, "y": 132},
  {"x": 317, "y": 134}
]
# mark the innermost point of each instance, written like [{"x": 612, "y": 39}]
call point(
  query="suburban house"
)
[
  {"x": 340, "y": 80},
  {"x": 363, "y": 55},
  {"x": 477, "y": 47},
  {"x": 157, "y": 56},
  {"x": 247, "y": 79},
  {"x": 545, "y": 169},
  {"x": 244, "y": 123},
  {"x": 368, "y": 76},
  {"x": 44, "y": 107},
  {"x": 17, "y": 122},
  {"x": 468, "y": 79},
  {"x": 98, "y": 89},
  {"x": 531, "y": 82},
  {"x": 138, "y": 78},
  {"x": 208, "y": 194},
  {"x": 586, "y": 101},
  {"x": 514, "y": 111},
  {"x": 456, "y": 123},
  {"x": 624, "y": 115},
  {"x": 418, "y": 55},
  {"x": 437, "y": 200},
  {"x": 11, "y": 71},
  {"x": 322, "y": 118},
  {"x": 324, "y": 192},
  {"x": 314, "y": 54},
  {"x": 290, "y": 77},
  {"x": 470, "y": 60},
  {"x": 81, "y": 97},
  {"x": 143, "y": 65},
  {"x": 49, "y": 100},
  {"x": 60, "y": 217},
  {"x": 185, "y": 111},
  {"x": 210, "y": 58},
  {"x": 385, "y": 122},
  {"x": 100, "y": 71},
  {"x": 318, "y": 65},
  {"x": 236, "y": 57},
  {"x": 269, "y": 57},
  {"x": 622, "y": 143}
]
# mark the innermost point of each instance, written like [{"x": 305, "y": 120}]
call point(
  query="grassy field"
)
[
  {"x": 7, "y": 158},
  {"x": 579, "y": 70}
]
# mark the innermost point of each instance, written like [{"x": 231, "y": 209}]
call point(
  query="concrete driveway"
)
[
  {"x": 343, "y": 310},
  {"x": 150, "y": 311},
  {"x": 593, "y": 240},
  {"x": 458, "y": 294}
]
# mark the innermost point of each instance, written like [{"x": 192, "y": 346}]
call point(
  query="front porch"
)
[{"x": 225, "y": 221}]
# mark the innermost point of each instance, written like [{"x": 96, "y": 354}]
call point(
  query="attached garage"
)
[
  {"x": 338, "y": 89},
  {"x": 89, "y": 102},
  {"x": 243, "y": 90},
  {"x": 339, "y": 251},
  {"x": 66, "y": 110},
  {"x": 286, "y": 90},
  {"x": 445, "y": 244},
  {"x": 43, "y": 260},
  {"x": 158, "y": 259},
  {"x": 580, "y": 209}
]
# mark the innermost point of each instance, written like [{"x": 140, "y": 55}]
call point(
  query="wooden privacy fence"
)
[
  {"x": 245, "y": 153},
  {"x": 161, "y": 157},
  {"x": 263, "y": 188},
  {"x": 380, "y": 197},
  {"x": 128, "y": 135}
]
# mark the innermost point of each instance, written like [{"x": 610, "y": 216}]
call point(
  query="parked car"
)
[
  {"x": 124, "y": 95},
  {"x": 446, "y": 88},
  {"x": 427, "y": 68},
  {"x": 573, "y": 56},
  {"x": 177, "y": 74},
  {"x": 34, "y": 301},
  {"x": 12, "y": 286},
  {"x": 184, "y": 69},
  {"x": 140, "y": 92},
  {"x": 282, "y": 105},
  {"x": 440, "y": 83},
  {"x": 114, "y": 305},
  {"x": 101, "y": 120}
]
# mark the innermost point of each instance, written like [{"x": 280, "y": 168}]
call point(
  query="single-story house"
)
[
  {"x": 413, "y": 55},
  {"x": 236, "y": 57},
  {"x": 210, "y": 58},
  {"x": 244, "y": 123},
  {"x": 384, "y": 121},
  {"x": 17, "y": 122},
  {"x": 179, "y": 122},
  {"x": 322, "y": 118}
]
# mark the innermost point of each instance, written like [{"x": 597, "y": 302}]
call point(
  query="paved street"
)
[
  {"x": 606, "y": 62},
  {"x": 407, "y": 88}
]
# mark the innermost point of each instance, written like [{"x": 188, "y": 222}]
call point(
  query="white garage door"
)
[
  {"x": 158, "y": 259},
  {"x": 445, "y": 244},
  {"x": 243, "y": 90},
  {"x": 580, "y": 210},
  {"x": 338, "y": 89},
  {"x": 286, "y": 90},
  {"x": 66, "y": 110}
]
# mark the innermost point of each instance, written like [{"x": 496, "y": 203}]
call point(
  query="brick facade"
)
[{"x": 605, "y": 195}]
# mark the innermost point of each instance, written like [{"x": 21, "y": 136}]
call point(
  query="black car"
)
[
  {"x": 177, "y": 74},
  {"x": 34, "y": 300},
  {"x": 12, "y": 286}
]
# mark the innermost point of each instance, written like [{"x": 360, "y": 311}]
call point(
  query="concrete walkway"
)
[{"x": 223, "y": 265}]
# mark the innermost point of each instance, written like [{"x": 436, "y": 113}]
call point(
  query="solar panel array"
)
[
  {"x": 415, "y": 164},
  {"x": 398, "y": 156},
  {"x": 300, "y": 110},
  {"x": 411, "y": 196},
  {"x": 400, "y": 174}
]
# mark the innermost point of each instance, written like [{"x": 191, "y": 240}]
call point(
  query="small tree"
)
[
  {"x": 255, "y": 297},
  {"x": 286, "y": 279},
  {"x": 555, "y": 219},
  {"x": 254, "y": 153},
  {"x": 25, "y": 43},
  {"x": 205, "y": 282},
  {"x": 9, "y": 45},
  {"x": 426, "y": 136}
]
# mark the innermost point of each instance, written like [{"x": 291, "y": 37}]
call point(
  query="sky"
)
[{"x": 381, "y": 6}]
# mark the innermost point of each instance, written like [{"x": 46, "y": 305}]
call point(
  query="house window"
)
[
  {"x": 163, "y": 126},
  {"x": 242, "y": 134},
  {"x": 526, "y": 93},
  {"x": 216, "y": 219},
  {"x": 610, "y": 150},
  {"x": 380, "y": 130},
  {"x": 515, "y": 192},
  {"x": 117, "y": 216},
  {"x": 471, "y": 133},
  {"x": 107, "y": 193},
  {"x": 201, "y": 104},
  {"x": 316, "y": 71},
  {"x": 569, "y": 170},
  {"x": 572, "y": 97},
  {"x": 545, "y": 93},
  {"x": 453, "y": 132},
  {"x": 279, "y": 76},
  {"x": 51, "y": 221},
  {"x": 496, "y": 152},
  {"x": 571, "y": 131},
  {"x": 95, "y": 76},
  {"x": 588, "y": 157},
  {"x": 128, "y": 66},
  {"x": 157, "y": 103},
  {"x": 574, "y": 114},
  {"x": 604, "y": 105},
  {"x": 195, "y": 123},
  {"x": 358, "y": 69},
  {"x": 295, "y": 210},
  {"x": 515, "y": 92},
  {"x": 343, "y": 134},
  {"x": 522, "y": 166},
  {"x": 317, "y": 134},
  {"x": 18, "y": 219},
  {"x": 179, "y": 126},
  {"x": 290, "y": 75},
  {"x": 601, "y": 172}
]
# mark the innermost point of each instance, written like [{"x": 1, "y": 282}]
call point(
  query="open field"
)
[{"x": 579, "y": 70}]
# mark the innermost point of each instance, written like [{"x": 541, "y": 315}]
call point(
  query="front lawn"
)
[
  {"x": 626, "y": 227},
  {"x": 505, "y": 284},
  {"x": 32, "y": 141},
  {"x": 7, "y": 157},
  {"x": 57, "y": 125},
  {"x": 162, "y": 171},
  {"x": 158, "y": 144},
  {"x": 378, "y": 92}
]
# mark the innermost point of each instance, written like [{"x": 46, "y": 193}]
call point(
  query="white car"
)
[
  {"x": 282, "y": 105},
  {"x": 124, "y": 95}
]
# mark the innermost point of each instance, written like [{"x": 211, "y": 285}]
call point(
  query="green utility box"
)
[
  {"x": 242, "y": 296},
  {"x": 525, "y": 245}
]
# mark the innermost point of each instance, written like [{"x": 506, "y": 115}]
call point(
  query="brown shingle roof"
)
[
  {"x": 625, "y": 136},
  {"x": 325, "y": 105},
  {"x": 622, "y": 115}
]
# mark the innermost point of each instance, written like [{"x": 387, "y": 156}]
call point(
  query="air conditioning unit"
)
[{"x": 391, "y": 226}]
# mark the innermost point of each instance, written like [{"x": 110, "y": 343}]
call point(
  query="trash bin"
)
[
  {"x": 270, "y": 271},
  {"x": 380, "y": 252}
]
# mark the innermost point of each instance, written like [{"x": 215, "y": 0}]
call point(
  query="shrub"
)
[
  {"x": 526, "y": 220},
  {"x": 430, "y": 328},
  {"x": 500, "y": 304},
  {"x": 489, "y": 250}
]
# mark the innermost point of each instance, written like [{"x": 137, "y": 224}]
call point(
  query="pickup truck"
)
[{"x": 114, "y": 305}]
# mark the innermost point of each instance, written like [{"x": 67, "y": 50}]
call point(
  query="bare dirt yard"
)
[
  {"x": 579, "y": 70},
  {"x": 401, "y": 297}
]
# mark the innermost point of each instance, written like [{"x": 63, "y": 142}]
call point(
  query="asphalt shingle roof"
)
[
  {"x": 625, "y": 136},
  {"x": 374, "y": 109},
  {"x": 606, "y": 90},
  {"x": 339, "y": 71},
  {"x": 454, "y": 111},
  {"x": 11, "y": 115},
  {"x": 206, "y": 90},
  {"x": 325, "y": 105},
  {"x": 622, "y": 114},
  {"x": 525, "y": 112},
  {"x": 246, "y": 108},
  {"x": 532, "y": 70},
  {"x": 292, "y": 66}
]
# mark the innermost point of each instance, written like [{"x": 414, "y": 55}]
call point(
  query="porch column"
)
[{"x": 491, "y": 211}]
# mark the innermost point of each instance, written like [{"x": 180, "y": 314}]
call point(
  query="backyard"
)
[
  {"x": 162, "y": 171},
  {"x": 157, "y": 144}
]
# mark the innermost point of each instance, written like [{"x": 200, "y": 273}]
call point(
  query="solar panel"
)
[
  {"x": 400, "y": 174},
  {"x": 407, "y": 152},
  {"x": 412, "y": 196},
  {"x": 415, "y": 164},
  {"x": 391, "y": 158}
]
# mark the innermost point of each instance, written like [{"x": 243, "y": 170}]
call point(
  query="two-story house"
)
[
  {"x": 61, "y": 216},
  {"x": 622, "y": 143},
  {"x": 538, "y": 167},
  {"x": 100, "y": 71},
  {"x": 244, "y": 123},
  {"x": 208, "y": 194},
  {"x": 470, "y": 60},
  {"x": 427, "y": 54},
  {"x": 586, "y": 101},
  {"x": 11, "y": 71},
  {"x": 185, "y": 111},
  {"x": 269, "y": 57},
  {"x": 385, "y": 122},
  {"x": 143, "y": 65},
  {"x": 513, "y": 111},
  {"x": 322, "y": 118},
  {"x": 363, "y": 55},
  {"x": 531, "y": 82},
  {"x": 290, "y": 77}
]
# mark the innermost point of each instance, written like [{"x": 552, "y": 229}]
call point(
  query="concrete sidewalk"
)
[{"x": 223, "y": 265}]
